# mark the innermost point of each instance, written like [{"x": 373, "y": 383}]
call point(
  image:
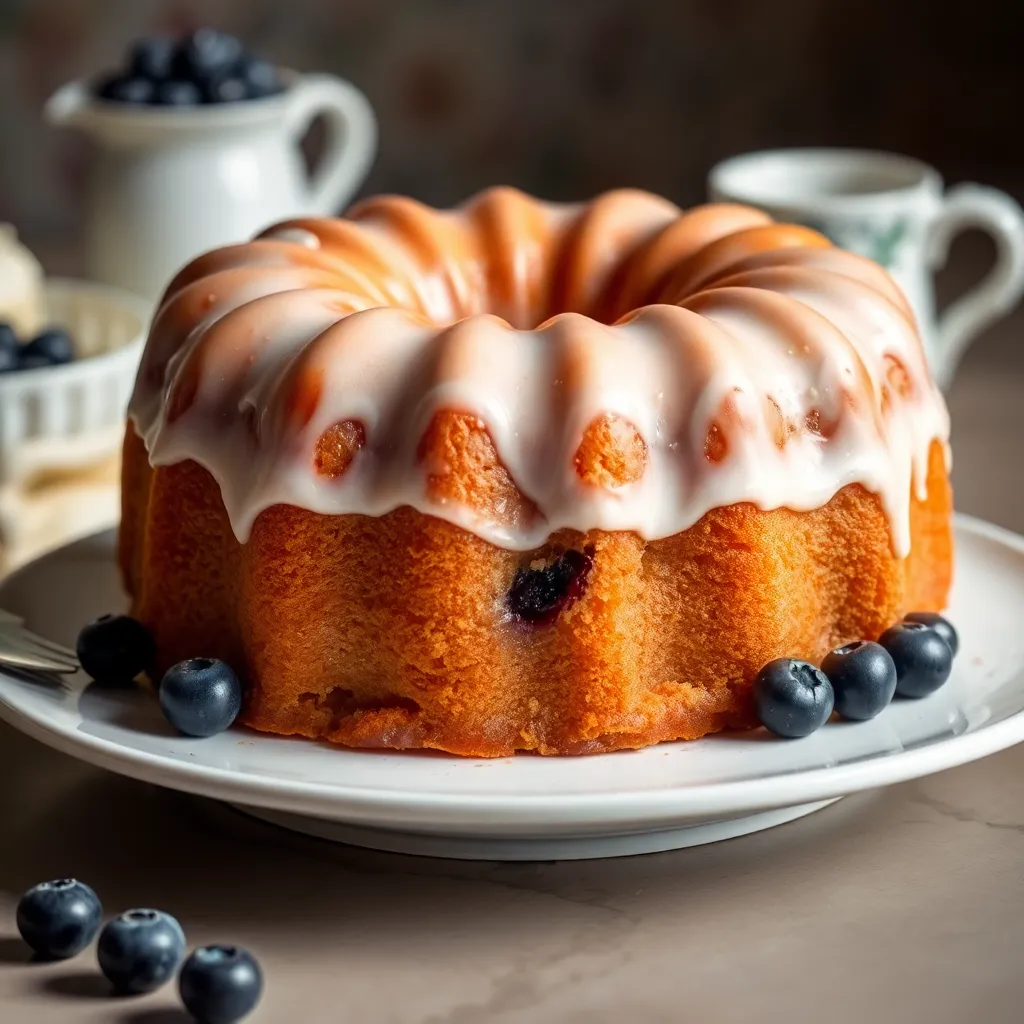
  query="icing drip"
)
[{"x": 755, "y": 362}]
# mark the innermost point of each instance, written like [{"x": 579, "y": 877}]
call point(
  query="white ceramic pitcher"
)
[
  {"x": 170, "y": 183},
  {"x": 894, "y": 210}
]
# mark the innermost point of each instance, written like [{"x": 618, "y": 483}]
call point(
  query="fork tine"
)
[
  {"x": 44, "y": 654},
  {"x": 21, "y": 645},
  {"x": 21, "y": 660},
  {"x": 29, "y": 653},
  {"x": 17, "y": 633},
  {"x": 51, "y": 645}
]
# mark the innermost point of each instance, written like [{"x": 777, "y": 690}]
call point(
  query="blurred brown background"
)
[{"x": 564, "y": 97}]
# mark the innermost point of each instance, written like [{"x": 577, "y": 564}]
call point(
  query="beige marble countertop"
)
[{"x": 903, "y": 905}]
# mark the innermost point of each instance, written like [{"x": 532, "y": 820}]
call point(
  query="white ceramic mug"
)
[
  {"x": 894, "y": 210},
  {"x": 170, "y": 183}
]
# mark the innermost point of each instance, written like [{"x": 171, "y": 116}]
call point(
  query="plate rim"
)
[{"x": 641, "y": 808}]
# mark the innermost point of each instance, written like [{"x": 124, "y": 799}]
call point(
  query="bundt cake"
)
[{"x": 523, "y": 476}]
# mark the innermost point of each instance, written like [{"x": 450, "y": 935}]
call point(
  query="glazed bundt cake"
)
[{"x": 522, "y": 476}]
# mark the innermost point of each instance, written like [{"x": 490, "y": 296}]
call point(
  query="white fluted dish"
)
[
  {"x": 59, "y": 418},
  {"x": 528, "y": 807}
]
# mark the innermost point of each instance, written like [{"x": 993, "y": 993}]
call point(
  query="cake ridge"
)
[{"x": 742, "y": 289}]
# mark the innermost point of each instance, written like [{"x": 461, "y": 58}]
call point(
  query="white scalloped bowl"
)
[{"x": 61, "y": 418}]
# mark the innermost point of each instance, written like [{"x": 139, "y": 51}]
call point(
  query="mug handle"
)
[
  {"x": 977, "y": 206},
  {"x": 351, "y": 143}
]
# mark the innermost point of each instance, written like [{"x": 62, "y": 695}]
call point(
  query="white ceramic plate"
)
[{"x": 530, "y": 807}]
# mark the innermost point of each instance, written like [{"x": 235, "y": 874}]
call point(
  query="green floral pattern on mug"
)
[{"x": 879, "y": 242}]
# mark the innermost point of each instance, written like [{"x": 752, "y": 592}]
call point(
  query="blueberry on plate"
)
[
  {"x": 59, "y": 919},
  {"x": 151, "y": 57},
  {"x": 128, "y": 89},
  {"x": 220, "y": 984},
  {"x": 140, "y": 950},
  {"x": 941, "y": 625},
  {"x": 204, "y": 51},
  {"x": 177, "y": 92},
  {"x": 260, "y": 77},
  {"x": 201, "y": 696},
  {"x": 863, "y": 678},
  {"x": 8, "y": 337},
  {"x": 54, "y": 344},
  {"x": 923, "y": 659},
  {"x": 114, "y": 649},
  {"x": 792, "y": 698}
]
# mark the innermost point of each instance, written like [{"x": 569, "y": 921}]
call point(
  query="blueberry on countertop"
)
[
  {"x": 792, "y": 698},
  {"x": 53, "y": 344},
  {"x": 941, "y": 625},
  {"x": 151, "y": 57},
  {"x": 922, "y": 657},
  {"x": 200, "y": 697},
  {"x": 863, "y": 678},
  {"x": 220, "y": 984},
  {"x": 122, "y": 88},
  {"x": 140, "y": 950},
  {"x": 59, "y": 919},
  {"x": 114, "y": 649}
]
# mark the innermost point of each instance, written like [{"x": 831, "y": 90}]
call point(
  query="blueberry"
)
[
  {"x": 9, "y": 359},
  {"x": 126, "y": 89},
  {"x": 114, "y": 649},
  {"x": 54, "y": 344},
  {"x": 941, "y": 626},
  {"x": 863, "y": 678},
  {"x": 538, "y": 595},
  {"x": 224, "y": 87},
  {"x": 200, "y": 697},
  {"x": 178, "y": 92},
  {"x": 923, "y": 659},
  {"x": 59, "y": 919},
  {"x": 220, "y": 984},
  {"x": 151, "y": 57},
  {"x": 140, "y": 950},
  {"x": 32, "y": 361},
  {"x": 204, "y": 51},
  {"x": 8, "y": 337},
  {"x": 260, "y": 77},
  {"x": 9, "y": 348},
  {"x": 792, "y": 698}
]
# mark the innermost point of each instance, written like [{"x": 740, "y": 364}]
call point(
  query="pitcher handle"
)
[
  {"x": 977, "y": 206},
  {"x": 351, "y": 144}
]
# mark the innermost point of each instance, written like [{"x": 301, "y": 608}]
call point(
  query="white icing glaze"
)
[
  {"x": 297, "y": 235},
  {"x": 810, "y": 328}
]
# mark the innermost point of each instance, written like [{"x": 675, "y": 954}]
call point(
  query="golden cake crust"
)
[{"x": 393, "y": 631}]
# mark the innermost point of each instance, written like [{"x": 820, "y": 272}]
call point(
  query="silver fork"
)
[{"x": 22, "y": 649}]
